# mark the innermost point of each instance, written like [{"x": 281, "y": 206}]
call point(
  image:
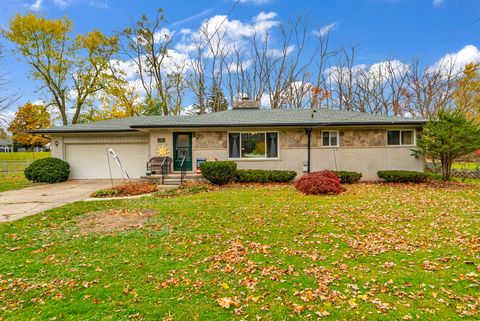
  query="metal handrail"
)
[
  {"x": 162, "y": 169},
  {"x": 183, "y": 168}
]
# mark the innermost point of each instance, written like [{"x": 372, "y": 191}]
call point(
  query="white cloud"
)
[
  {"x": 128, "y": 68},
  {"x": 225, "y": 33},
  {"x": 437, "y": 3},
  {"x": 262, "y": 16},
  {"x": 256, "y": 2},
  {"x": 101, "y": 4},
  {"x": 185, "y": 31},
  {"x": 36, "y": 6},
  {"x": 62, "y": 3},
  {"x": 384, "y": 70},
  {"x": 277, "y": 53},
  {"x": 163, "y": 35},
  {"x": 325, "y": 30},
  {"x": 39, "y": 102},
  {"x": 378, "y": 72},
  {"x": 39, "y": 4},
  {"x": 6, "y": 118},
  {"x": 457, "y": 60}
]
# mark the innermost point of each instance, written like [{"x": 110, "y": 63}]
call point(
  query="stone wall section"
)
[
  {"x": 363, "y": 138},
  {"x": 210, "y": 140}
]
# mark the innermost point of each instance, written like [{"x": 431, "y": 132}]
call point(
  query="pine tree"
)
[
  {"x": 448, "y": 138},
  {"x": 217, "y": 100}
]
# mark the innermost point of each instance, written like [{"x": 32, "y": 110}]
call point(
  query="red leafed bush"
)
[
  {"x": 136, "y": 188},
  {"x": 127, "y": 189},
  {"x": 317, "y": 183}
]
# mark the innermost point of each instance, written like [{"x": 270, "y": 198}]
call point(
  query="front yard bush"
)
[
  {"x": 219, "y": 172},
  {"x": 318, "y": 183},
  {"x": 48, "y": 170},
  {"x": 397, "y": 176},
  {"x": 264, "y": 176},
  {"x": 348, "y": 177}
]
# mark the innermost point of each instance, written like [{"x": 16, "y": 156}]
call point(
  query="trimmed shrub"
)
[
  {"x": 48, "y": 170},
  {"x": 348, "y": 177},
  {"x": 397, "y": 176},
  {"x": 219, "y": 172},
  {"x": 108, "y": 192},
  {"x": 264, "y": 176},
  {"x": 319, "y": 183},
  {"x": 434, "y": 176}
]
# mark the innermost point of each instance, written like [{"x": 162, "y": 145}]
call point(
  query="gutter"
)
[
  {"x": 418, "y": 123},
  {"x": 134, "y": 128},
  {"x": 86, "y": 131}
]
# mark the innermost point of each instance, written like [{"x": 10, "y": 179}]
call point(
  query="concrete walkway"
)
[{"x": 32, "y": 200}]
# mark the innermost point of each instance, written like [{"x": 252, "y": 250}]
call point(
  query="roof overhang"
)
[
  {"x": 330, "y": 124},
  {"x": 46, "y": 131},
  {"x": 140, "y": 128}
]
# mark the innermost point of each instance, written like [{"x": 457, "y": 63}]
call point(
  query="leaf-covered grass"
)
[
  {"x": 376, "y": 252},
  {"x": 12, "y": 166}
]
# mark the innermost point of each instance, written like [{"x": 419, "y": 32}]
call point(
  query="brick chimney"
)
[{"x": 246, "y": 103}]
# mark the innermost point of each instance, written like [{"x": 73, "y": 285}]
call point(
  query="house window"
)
[
  {"x": 330, "y": 138},
  {"x": 253, "y": 145},
  {"x": 400, "y": 137}
]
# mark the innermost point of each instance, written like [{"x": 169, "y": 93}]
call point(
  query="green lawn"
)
[
  {"x": 8, "y": 183},
  {"x": 23, "y": 156},
  {"x": 469, "y": 166},
  {"x": 12, "y": 166},
  {"x": 377, "y": 252}
]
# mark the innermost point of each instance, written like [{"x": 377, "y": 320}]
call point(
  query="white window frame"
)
[
  {"x": 414, "y": 133},
  {"x": 330, "y": 138},
  {"x": 253, "y": 132}
]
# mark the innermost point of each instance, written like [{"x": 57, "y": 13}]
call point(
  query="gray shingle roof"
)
[{"x": 240, "y": 118}]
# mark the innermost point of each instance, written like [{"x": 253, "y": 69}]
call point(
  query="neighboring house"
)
[
  {"x": 254, "y": 138},
  {"x": 5, "y": 145}
]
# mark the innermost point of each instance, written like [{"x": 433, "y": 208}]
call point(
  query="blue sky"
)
[{"x": 382, "y": 29}]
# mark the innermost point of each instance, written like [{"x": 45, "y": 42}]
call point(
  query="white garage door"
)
[{"x": 89, "y": 161}]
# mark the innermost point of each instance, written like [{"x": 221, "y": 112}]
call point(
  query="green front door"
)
[{"x": 182, "y": 146}]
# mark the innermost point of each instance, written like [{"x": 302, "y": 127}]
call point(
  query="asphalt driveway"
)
[{"x": 32, "y": 200}]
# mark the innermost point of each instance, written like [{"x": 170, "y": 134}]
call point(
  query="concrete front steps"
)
[{"x": 172, "y": 179}]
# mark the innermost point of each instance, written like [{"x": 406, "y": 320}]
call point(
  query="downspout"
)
[{"x": 308, "y": 131}]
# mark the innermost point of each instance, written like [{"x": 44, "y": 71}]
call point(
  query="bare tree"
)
[
  {"x": 322, "y": 62},
  {"x": 284, "y": 66},
  {"x": 7, "y": 97},
  {"x": 176, "y": 85},
  {"x": 431, "y": 89},
  {"x": 196, "y": 78},
  {"x": 147, "y": 44}
]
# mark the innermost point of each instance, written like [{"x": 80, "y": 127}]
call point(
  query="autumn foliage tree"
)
[
  {"x": 70, "y": 70},
  {"x": 467, "y": 91},
  {"x": 30, "y": 117}
]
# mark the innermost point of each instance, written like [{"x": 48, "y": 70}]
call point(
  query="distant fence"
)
[{"x": 13, "y": 167}]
